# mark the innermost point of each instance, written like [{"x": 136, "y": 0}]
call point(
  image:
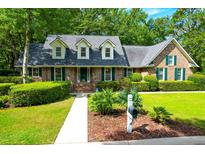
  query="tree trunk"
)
[{"x": 27, "y": 44}]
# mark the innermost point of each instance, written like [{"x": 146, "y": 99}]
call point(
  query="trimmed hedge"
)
[
  {"x": 5, "y": 88},
  {"x": 197, "y": 78},
  {"x": 179, "y": 86},
  {"x": 38, "y": 93},
  {"x": 114, "y": 85},
  {"x": 141, "y": 86},
  {"x": 153, "y": 82},
  {"x": 3, "y": 101},
  {"x": 14, "y": 79},
  {"x": 136, "y": 77}
]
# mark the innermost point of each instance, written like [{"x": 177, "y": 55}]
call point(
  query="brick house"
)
[{"x": 86, "y": 60}]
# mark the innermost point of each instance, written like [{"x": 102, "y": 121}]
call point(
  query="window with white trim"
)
[
  {"x": 35, "y": 72},
  {"x": 129, "y": 71},
  {"x": 58, "y": 74},
  {"x": 179, "y": 74},
  {"x": 170, "y": 60},
  {"x": 161, "y": 74},
  {"x": 83, "y": 51},
  {"x": 108, "y": 74},
  {"x": 58, "y": 52},
  {"x": 107, "y": 52}
]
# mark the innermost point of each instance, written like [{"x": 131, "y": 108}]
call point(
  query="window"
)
[
  {"x": 35, "y": 72},
  {"x": 58, "y": 74},
  {"x": 58, "y": 51},
  {"x": 178, "y": 73},
  {"x": 83, "y": 52},
  {"x": 107, "y": 52},
  {"x": 129, "y": 71},
  {"x": 108, "y": 74},
  {"x": 170, "y": 60},
  {"x": 161, "y": 74}
]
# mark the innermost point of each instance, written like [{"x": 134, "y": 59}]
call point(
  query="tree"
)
[{"x": 27, "y": 43}]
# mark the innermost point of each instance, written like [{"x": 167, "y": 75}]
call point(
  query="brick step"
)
[{"x": 83, "y": 87}]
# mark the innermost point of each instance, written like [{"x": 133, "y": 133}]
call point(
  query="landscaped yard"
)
[
  {"x": 188, "y": 107},
  {"x": 33, "y": 125}
]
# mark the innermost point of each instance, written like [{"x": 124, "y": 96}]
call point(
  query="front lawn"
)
[
  {"x": 33, "y": 125},
  {"x": 188, "y": 107}
]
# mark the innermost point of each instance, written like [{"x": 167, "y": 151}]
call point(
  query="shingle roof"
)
[
  {"x": 41, "y": 54},
  {"x": 142, "y": 56}
]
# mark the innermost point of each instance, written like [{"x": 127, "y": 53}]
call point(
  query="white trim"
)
[
  {"x": 105, "y": 73},
  {"x": 79, "y": 74},
  {"x": 84, "y": 40},
  {"x": 38, "y": 71},
  {"x": 172, "y": 64},
  {"x": 58, "y": 39},
  {"x": 108, "y": 41},
  {"x": 55, "y": 73}
]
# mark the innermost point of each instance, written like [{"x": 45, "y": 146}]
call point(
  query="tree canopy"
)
[{"x": 132, "y": 26}]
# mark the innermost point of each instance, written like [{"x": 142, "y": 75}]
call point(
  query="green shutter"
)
[
  {"x": 184, "y": 74},
  {"x": 165, "y": 73},
  {"x": 63, "y": 73},
  {"x": 125, "y": 72},
  {"x": 167, "y": 60},
  {"x": 40, "y": 72},
  {"x": 157, "y": 73},
  {"x": 52, "y": 73},
  {"x": 113, "y": 74},
  {"x": 102, "y": 74},
  {"x": 175, "y": 60},
  {"x": 29, "y": 71},
  {"x": 175, "y": 74}
]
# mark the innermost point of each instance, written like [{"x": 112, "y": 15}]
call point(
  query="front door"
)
[{"x": 83, "y": 74}]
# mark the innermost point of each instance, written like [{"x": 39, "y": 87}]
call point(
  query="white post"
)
[{"x": 129, "y": 113}]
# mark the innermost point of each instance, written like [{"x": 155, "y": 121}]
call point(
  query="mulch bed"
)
[{"x": 113, "y": 128}]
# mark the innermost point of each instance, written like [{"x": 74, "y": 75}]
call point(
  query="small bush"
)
[
  {"x": 102, "y": 102},
  {"x": 179, "y": 86},
  {"x": 5, "y": 88},
  {"x": 141, "y": 86},
  {"x": 153, "y": 82},
  {"x": 14, "y": 79},
  {"x": 197, "y": 78},
  {"x": 125, "y": 84},
  {"x": 161, "y": 115},
  {"x": 136, "y": 77},
  {"x": 38, "y": 93},
  {"x": 137, "y": 100},
  {"x": 4, "y": 100},
  {"x": 114, "y": 85}
]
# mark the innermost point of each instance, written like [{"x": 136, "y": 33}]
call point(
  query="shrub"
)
[
  {"x": 141, "y": 86},
  {"x": 4, "y": 100},
  {"x": 136, "y": 77},
  {"x": 153, "y": 82},
  {"x": 125, "y": 84},
  {"x": 38, "y": 93},
  {"x": 9, "y": 72},
  {"x": 161, "y": 115},
  {"x": 137, "y": 100},
  {"x": 178, "y": 86},
  {"x": 114, "y": 85},
  {"x": 13, "y": 79},
  {"x": 102, "y": 102},
  {"x": 5, "y": 88},
  {"x": 197, "y": 78}
]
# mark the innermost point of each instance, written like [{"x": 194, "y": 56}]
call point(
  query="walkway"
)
[
  {"x": 187, "y": 140},
  {"x": 74, "y": 129}
]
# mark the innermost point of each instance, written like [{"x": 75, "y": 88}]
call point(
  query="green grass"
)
[
  {"x": 33, "y": 125},
  {"x": 187, "y": 107}
]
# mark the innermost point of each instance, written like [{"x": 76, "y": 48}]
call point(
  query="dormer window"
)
[
  {"x": 83, "y": 52},
  {"x": 107, "y": 52},
  {"x": 58, "y": 52},
  {"x": 107, "y": 49}
]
